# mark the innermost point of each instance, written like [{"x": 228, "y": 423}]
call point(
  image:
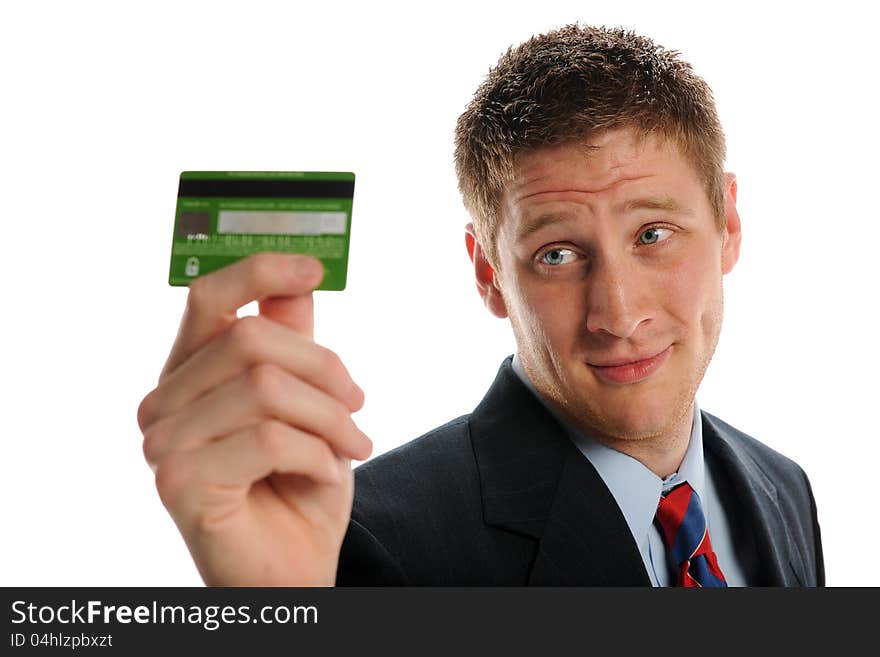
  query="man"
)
[{"x": 591, "y": 162}]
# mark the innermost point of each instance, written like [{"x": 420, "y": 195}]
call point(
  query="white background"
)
[{"x": 103, "y": 104}]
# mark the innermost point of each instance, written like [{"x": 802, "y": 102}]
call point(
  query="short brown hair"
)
[{"x": 571, "y": 83}]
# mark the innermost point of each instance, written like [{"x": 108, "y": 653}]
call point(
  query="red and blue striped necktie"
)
[{"x": 683, "y": 525}]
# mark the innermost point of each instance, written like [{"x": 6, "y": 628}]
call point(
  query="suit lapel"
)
[
  {"x": 586, "y": 541},
  {"x": 780, "y": 560},
  {"x": 534, "y": 481}
]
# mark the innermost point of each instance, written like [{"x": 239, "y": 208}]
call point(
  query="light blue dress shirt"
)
[{"x": 637, "y": 492}]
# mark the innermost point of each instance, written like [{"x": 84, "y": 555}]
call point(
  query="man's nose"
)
[{"x": 615, "y": 298}]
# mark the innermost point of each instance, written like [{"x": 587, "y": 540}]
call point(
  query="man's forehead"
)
[
  {"x": 611, "y": 148},
  {"x": 591, "y": 165}
]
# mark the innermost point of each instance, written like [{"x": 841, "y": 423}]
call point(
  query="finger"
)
[
  {"x": 291, "y": 487},
  {"x": 265, "y": 391},
  {"x": 297, "y": 313},
  {"x": 214, "y": 298},
  {"x": 210, "y": 475},
  {"x": 271, "y": 446},
  {"x": 249, "y": 342}
]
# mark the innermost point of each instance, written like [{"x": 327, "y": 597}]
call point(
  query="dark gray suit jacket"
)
[{"x": 502, "y": 497}]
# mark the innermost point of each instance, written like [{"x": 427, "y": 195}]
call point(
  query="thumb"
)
[{"x": 296, "y": 312}]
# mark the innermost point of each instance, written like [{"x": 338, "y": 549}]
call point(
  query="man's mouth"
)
[{"x": 621, "y": 371}]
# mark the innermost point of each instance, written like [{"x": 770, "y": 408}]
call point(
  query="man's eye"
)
[
  {"x": 558, "y": 256},
  {"x": 653, "y": 235}
]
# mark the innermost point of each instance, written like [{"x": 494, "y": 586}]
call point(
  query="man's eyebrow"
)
[
  {"x": 535, "y": 224},
  {"x": 666, "y": 203}
]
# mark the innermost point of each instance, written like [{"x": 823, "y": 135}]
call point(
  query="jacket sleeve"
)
[{"x": 817, "y": 537}]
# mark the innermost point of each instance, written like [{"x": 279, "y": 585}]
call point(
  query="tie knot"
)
[{"x": 683, "y": 524}]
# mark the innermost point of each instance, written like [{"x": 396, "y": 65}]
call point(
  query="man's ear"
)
[
  {"x": 485, "y": 275},
  {"x": 732, "y": 235}
]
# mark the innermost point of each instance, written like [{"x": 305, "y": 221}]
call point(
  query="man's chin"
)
[
  {"x": 628, "y": 420},
  {"x": 624, "y": 430}
]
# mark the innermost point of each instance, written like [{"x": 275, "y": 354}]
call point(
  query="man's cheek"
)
[
  {"x": 688, "y": 290},
  {"x": 555, "y": 319}
]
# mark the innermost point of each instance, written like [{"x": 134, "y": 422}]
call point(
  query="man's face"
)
[{"x": 608, "y": 255}]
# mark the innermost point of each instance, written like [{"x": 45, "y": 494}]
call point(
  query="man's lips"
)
[{"x": 627, "y": 370}]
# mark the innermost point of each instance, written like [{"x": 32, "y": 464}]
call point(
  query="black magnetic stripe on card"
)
[{"x": 266, "y": 188}]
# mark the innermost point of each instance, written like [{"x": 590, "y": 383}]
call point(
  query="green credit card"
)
[{"x": 224, "y": 216}]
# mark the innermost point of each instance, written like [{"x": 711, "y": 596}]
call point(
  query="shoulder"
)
[
  {"x": 779, "y": 468},
  {"x": 754, "y": 466},
  {"x": 426, "y": 471},
  {"x": 417, "y": 514}
]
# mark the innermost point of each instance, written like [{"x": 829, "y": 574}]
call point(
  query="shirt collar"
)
[{"x": 635, "y": 488}]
